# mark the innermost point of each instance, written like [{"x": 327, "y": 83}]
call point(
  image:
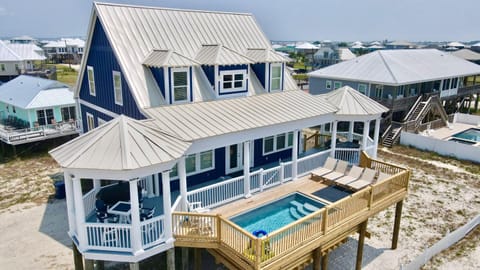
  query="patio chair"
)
[
  {"x": 146, "y": 213},
  {"x": 102, "y": 214},
  {"x": 366, "y": 179},
  {"x": 328, "y": 167},
  {"x": 339, "y": 171},
  {"x": 354, "y": 173}
]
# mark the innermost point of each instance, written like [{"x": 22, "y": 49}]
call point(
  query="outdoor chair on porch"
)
[
  {"x": 339, "y": 171},
  {"x": 102, "y": 214},
  {"x": 146, "y": 213},
  {"x": 366, "y": 179},
  {"x": 353, "y": 175},
  {"x": 328, "y": 167}
]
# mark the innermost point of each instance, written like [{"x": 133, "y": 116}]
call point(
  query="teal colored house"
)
[{"x": 29, "y": 102}]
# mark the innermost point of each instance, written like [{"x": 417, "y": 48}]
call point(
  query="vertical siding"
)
[
  {"x": 103, "y": 61},
  {"x": 259, "y": 70},
  {"x": 159, "y": 78},
  {"x": 96, "y": 115},
  {"x": 210, "y": 73},
  {"x": 260, "y": 159}
]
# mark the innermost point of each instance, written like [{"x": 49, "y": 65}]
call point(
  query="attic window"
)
[
  {"x": 91, "y": 80},
  {"x": 180, "y": 85},
  {"x": 276, "y": 80},
  {"x": 232, "y": 81},
  {"x": 117, "y": 87}
]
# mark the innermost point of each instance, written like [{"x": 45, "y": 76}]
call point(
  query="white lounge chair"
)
[
  {"x": 353, "y": 175},
  {"x": 366, "y": 179},
  {"x": 328, "y": 167},
  {"x": 339, "y": 171}
]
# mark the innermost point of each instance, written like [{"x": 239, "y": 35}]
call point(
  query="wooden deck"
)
[
  {"x": 304, "y": 185},
  {"x": 303, "y": 241}
]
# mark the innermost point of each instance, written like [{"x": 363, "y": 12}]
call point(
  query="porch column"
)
[
  {"x": 376, "y": 136},
  {"x": 96, "y": 184},
  {"x": 334, "y": 139},
  {"x": 350, "y": 130},
  {"x": 167, "y": 206},
  {"x": 246, "y": 168},
  {"x": 366, "y": 128},
  {"x": 295, "y": 154},
  {"x": 70, "y": 203},
  {"x": 135, "y": 217},
  {"x": 157, "y": 184},
  {"x": 182, "y": 175},
  {"x": 79, "y": 214}
]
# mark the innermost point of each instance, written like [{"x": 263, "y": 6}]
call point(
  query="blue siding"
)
[
  {"x": 233, "y": 67},
  {"x": 259, "y": 70},
  {"x": 96, "y": 114},
  {"x": 103, "y": 61},
  {"x": 159, "y": 78},
  {"x": 210, "y": 73},
  {"x": 260, "y": 159}
]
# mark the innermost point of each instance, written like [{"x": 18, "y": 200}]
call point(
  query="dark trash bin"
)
[{"x": 59, "y": 190}]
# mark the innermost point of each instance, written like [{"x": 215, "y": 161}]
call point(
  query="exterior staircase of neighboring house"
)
[{"x": 413, "y": 120}]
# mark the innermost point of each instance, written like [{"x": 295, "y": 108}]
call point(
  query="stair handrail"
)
[
  {"x": 422, "y": 113},
  {"x": 386, "y": 132},
  {"x": 412, "y": 109}
]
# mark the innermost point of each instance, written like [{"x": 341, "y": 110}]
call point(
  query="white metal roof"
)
[
  {"x": 351, "y": 102},
  {"x": 220, "y": 55},
  {"x": 306, "y": 46},
  {"x": 345, "y": 54},
  {"x": 135, "y": 31},
  {"x": 467, "y": 54},
  {"x": 399, "y": 67},
  {"x": 6, "y": 54},
  {"x": 455, "y": 44},
  {"x": 29, "y": 92},
  {"x": 266, "y": 56},
  {"x": 168, "y": 58},
  {"x": 27, "y": 51},
  {"x": 207, "y": 119},
  {"x": 120, "y": 145}
]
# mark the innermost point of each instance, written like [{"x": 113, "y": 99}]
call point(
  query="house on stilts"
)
[{"x": 191, "y": 123}]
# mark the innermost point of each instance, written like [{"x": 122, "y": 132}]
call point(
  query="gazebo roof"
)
[
  {"x": 351, "y": 102},
  {"x": 122, "y": 144}
]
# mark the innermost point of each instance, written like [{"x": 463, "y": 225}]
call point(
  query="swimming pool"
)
[
  {"x": 462, "y": 141},
  {"x": 278, "y": 213},
  {"x": 471, "y": 134}
]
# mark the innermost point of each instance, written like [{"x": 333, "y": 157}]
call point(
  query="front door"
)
[{"x": 234, "y": 157}]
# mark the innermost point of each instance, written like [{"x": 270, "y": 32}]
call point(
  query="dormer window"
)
[
  {"x": 232, "y": 81},
  {"x": 180, "y": 85}
]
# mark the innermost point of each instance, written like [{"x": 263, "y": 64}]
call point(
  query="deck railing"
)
[
  {"x": 194, "y": 227},
  {"x": 308, "y": 163},
  {"x": 19, "y": 136},
  {"x": 108, "y": 236},
  {"x": 220, "y": 193},
  {"x": 89, "y": 201},
  {"x": 351, "y": 155},
  {"x": 152, "y": 231}
]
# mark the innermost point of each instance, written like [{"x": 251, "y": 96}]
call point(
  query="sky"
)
[{"x": 338, "y": 20}]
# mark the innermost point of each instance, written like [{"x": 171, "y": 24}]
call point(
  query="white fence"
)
[
  {"x": 108, "y": 236},
  {"x": 311, "y": 162},
  {"x": 446, "y": 148},
  {"x": 351, "y": 155},
  {"x": 443, "y": 244},
  {"x": 217, "y": 194},
  {"x": 467, "y": 119},
  {"x": 152, "y": 231},
  {"x": 89, "y": 201}
]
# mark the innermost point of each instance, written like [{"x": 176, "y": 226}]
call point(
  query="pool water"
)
[
  {"x": 277, "y": 214},
  {"x": 462, "y": 141},
  {"x": 471, "y": 134}
]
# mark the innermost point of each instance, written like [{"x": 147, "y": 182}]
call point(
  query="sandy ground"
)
[
  {"x": 442, "y": 197},
  {"x": 35, "y": 237}
]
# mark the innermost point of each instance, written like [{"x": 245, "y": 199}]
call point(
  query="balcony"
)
[{"x": 13, "y": 136}]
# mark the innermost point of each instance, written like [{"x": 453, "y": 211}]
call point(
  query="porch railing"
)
[
  {"x": 336, "y": 217},
  {"x": 152, "y": 231},
  {"x": 310, "y": 162},
  {"x": 220, "y": 193},
  {"x": 19, "y": 136},
  {"x": 109, "y": 236},
  {"x": 89, "y": 201},
  {"x": 351, "y": 155}
]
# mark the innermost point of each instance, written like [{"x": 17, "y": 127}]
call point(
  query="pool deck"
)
[
  {"x": 304, "y": 185},
  {"x": 447, "y": 132}
]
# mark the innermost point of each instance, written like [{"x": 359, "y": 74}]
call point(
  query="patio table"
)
[{"x": 122, "y": 209}]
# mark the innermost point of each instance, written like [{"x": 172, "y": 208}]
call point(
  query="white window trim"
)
[
  {"x": 65, "y": 120},
  {"x": 90, "y": 116},
  {"x": 197, "y": 165},
  {"x": 233, "y": 73},
  {"x": 94, "y": 92},
  {"x": 281, "y": 77},
  {"x": 328, "y": 84},
  {"x": 275, "y": 150},
  {"x": 173, "y": 70},
  {"x": 118, "y": 102}
]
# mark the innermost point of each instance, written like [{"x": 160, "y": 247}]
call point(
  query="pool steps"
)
[{"x": 299, "y": 210}]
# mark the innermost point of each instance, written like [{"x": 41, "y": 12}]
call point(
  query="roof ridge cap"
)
[{"x": 386, "y": 65}]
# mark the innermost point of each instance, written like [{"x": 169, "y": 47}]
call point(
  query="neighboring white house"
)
[
  {"x": 65, "y": 49},
  {"x": 16, "y": 58}
]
